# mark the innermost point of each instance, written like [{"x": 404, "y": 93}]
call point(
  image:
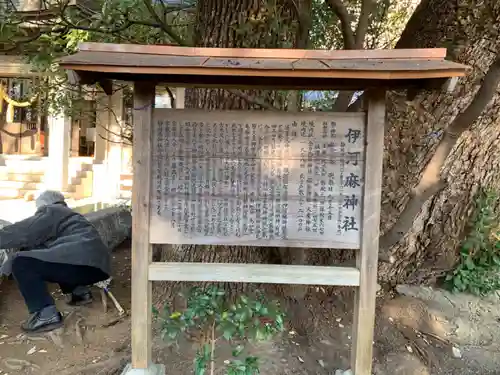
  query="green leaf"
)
[
  {"x": 229, "y": 332},
  {"x": 280, "y": 325},
  {"x": 199, "y": 366},
  {"x": 496, "y": 260},
  {"x": 244, "y": 299},
  {"x": 470, "y": 264},
  {"x": 238, "y": 350}
]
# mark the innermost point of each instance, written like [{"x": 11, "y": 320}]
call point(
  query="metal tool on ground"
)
[{"x": 104, "y": 286}]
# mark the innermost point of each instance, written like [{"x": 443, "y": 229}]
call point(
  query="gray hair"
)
[{"x": 49, "y": 197}]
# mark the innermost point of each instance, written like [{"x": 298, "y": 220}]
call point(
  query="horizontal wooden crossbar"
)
[{"x": 254, "y": 273}]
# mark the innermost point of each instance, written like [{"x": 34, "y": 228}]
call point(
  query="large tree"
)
[
  {"x": 442, "y": 148},
  {"x": 427, "y": 200},
  {"x": 241, "y": 24}
]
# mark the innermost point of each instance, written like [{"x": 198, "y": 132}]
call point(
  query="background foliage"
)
[{"x": 479, "y": 269}]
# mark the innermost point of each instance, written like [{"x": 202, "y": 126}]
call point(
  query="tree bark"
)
[
  {"x": 232, "y": 24},
  {"x": 414, "y": 131},
  {"x": 219, "y": 24}
]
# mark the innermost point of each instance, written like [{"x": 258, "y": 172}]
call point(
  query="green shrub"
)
[
  {"x": 478, "y": 271},
  {"x": 212, "y": 317}
]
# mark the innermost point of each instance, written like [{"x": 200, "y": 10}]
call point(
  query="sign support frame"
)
[{"x": 256, "y": 69}]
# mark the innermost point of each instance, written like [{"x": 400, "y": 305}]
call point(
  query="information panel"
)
[{"x": 257, "y": 178}]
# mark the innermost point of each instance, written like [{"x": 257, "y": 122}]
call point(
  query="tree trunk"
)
[
  {"x": 231, "y": 24},
  {"x": 239, "y": 24},
  {"x": 414, "y": 129},
  {"x": 470, "y": 32}
]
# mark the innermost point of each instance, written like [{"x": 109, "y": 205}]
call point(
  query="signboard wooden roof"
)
[
  {"x": 258, "y": 178},
  {"x": 252, "y": 68},
  {"x": 14, "y": 66}
]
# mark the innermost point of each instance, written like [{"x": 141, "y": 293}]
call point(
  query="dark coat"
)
[{"x": 56, "y": 234}]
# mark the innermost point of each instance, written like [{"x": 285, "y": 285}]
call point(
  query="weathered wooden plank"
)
[
  {"x": 15, "y": 66},
  {"x": 144, "y": 94},
  {"x": 308, "y": 64},
  {"x": 133, "y": 59},
  {"x": 125, "y": 71},
  {"x": 394, "y": 65},
  {"x": 304, "y": 66},
  {"x": 367, "y": 258},
  {"x": 254, "y": 273},
  {"x": 257, "y": 178},
  {"x": 257, "y": 64},
  {"x": 423, "y": 53},
  {"x": 264, "y": 82}
]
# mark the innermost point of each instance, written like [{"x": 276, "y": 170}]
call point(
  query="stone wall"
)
[{"x": 114, "y": 224}]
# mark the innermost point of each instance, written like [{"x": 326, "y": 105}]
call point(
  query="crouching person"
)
[{"x": 58, "y": 246}]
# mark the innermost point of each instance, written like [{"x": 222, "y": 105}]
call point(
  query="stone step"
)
[
  {"x": 30, "y": 195},
  {"x": 17, "y": 185},
  {"x": 36, "y": 165},
  {"x": 29, "y": 186},
  {"x": 23, "y": 173},
  {"x": 26, "y": 177},
  {"x": 22, "y": 169},
  {"x": 23, "y": 192},
  {"x": 9, "y": 194},
  {"x": 23, "y": 178},
  {"x": 41, "y": 164}
]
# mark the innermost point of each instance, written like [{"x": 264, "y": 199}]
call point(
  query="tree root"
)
[
  {"x": 419, "y": 340},
  {"x": 79, "y": 332},
  {"x": 110, "y": 365},
  {"x": 15, "y": 364}
]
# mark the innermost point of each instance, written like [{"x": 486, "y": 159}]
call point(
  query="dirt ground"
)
[{"x": 94, "y": 342}]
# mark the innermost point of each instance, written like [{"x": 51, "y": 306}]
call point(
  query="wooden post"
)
[
  {"x": 367, "y": 258},
  {"x": 180, "y": 97},
  {"x": 144, "y": 94},
  {"x": 59, "y": 127},
  {"x": 102, "y": 124},
  {"x": 75, "y": 138},
  {"x": 114, "y": 154}
]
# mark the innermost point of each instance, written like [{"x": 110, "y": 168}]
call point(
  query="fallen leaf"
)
[
  {"x": 31, "y": 351},
  {"x": 300, "y": 359},
  {"x": 456, "y": 352}
]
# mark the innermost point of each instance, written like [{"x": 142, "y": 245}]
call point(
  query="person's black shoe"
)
[
  {"x": 44, "y": 320},
  {"x": 80, "y": 296},
  {"x": 80, "y": 299}
]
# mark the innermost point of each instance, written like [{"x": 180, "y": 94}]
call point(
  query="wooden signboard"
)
[
  {"x": 257, "y": 178},
  {"x": 310, "y": 180}
]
